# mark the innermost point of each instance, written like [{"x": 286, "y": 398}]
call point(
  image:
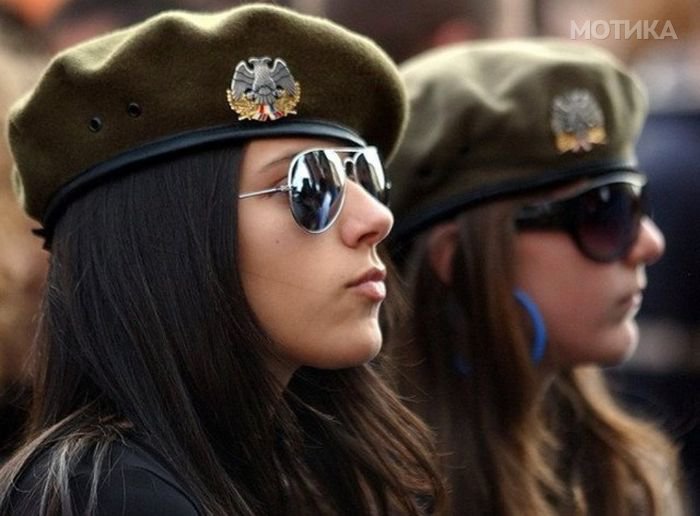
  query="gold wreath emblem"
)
[
  {"x": 263, "y": 89},
  {"x": 577, "y": 122}
]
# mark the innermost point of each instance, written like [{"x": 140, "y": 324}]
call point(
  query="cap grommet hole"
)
[
  {"x": 134, "y": 110},
  {"x": 95, "y": 124}
]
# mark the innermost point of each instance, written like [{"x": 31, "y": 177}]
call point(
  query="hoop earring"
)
[{"x": 539, "y": 339}]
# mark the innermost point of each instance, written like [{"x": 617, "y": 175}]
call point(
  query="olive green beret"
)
[
  {"x": 183, "y": 79},
  {"x": 498, "y": 117}
]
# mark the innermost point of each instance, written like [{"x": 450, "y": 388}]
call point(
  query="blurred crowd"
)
[{"x": 661, "y": 381}]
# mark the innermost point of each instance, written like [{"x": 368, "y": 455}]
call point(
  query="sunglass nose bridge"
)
[{"x": 349, "y": 164}]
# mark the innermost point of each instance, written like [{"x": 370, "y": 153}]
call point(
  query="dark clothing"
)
[
  {"x": 133, "y": 481},
  {"x": 14, "y": 401}
]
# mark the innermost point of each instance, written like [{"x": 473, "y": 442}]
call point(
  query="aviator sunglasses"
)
[
  {"x": 316, "y": 183},
  {"x": 603, "y": 216}
]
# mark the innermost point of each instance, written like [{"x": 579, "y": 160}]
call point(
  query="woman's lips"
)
[
  {"x": 370, "y": 284},
  {"x": 632, "y": 303}
]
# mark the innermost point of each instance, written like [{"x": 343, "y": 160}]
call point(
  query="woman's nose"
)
[
  {"x": 363, "y": 220},
  {"x": 650, "y": 244}
]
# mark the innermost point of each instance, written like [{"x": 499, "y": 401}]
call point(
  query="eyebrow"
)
[{"x": 287, "y": 157}]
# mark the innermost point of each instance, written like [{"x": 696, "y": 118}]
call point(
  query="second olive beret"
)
[{"x": 499, "y": 117}]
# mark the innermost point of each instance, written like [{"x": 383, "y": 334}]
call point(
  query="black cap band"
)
[
  {"x": 417, "y": 221},
  {"x": 155, "y": 150}
]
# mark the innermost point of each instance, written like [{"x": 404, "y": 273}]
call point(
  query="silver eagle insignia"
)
[
  {"x": 577, "y": 121},
  {"x": 263, "y": 89}
]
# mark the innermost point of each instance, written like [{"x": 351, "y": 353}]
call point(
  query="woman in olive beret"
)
[
  {"x": 211, "y": 189},
  {"x": 523, "y": 234}
]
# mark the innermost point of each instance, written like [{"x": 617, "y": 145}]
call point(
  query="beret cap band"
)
[
  {"x": 162, "y": 148},
  {"x": 446, "y": 205}
]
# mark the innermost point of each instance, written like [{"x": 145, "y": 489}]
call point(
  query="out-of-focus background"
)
[{"x": 659, "y": 39}]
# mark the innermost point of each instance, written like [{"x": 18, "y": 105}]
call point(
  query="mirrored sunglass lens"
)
[
  {"x": 608, "y": 221},
  {"x": 316, "y": 189},
  {"x": 369, "y": 173}
]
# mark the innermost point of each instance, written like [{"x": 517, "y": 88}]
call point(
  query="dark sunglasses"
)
[
  {"x": 603, "y": 217},
  {"x": 316, "y": 183}
]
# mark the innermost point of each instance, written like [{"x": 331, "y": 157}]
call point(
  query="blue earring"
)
[{"x": 539, "y": 339}]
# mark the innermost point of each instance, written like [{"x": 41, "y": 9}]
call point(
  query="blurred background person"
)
[
  {"x": 524, "y": 239},
  {"x": 22, "y": 261},
  {"x": 31, "y": 13}
]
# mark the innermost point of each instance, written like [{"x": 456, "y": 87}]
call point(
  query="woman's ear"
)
[{"x": 442, "y": 242}]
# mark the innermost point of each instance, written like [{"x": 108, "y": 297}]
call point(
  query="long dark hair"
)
[
  {"x": 147, "y": 332},
  {"x": 512, "y": 443}
]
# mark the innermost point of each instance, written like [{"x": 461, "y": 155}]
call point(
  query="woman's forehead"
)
[{"x": 263, "y": 153}]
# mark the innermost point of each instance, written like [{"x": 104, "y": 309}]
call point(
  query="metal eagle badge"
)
[
  {"x": 263, "y": 89},
  {"x": 577, "y": 122}
]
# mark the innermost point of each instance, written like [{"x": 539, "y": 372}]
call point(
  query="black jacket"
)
[{"x": 133, "y": 481}]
